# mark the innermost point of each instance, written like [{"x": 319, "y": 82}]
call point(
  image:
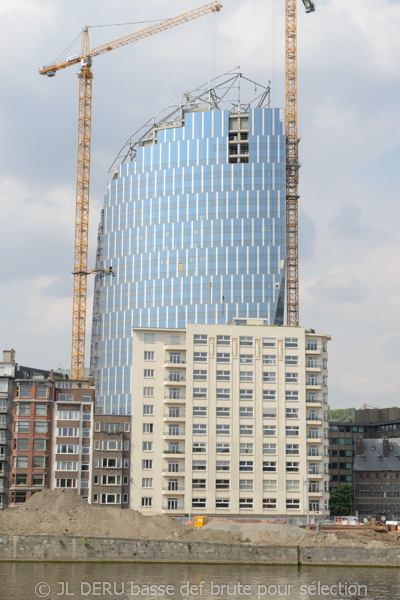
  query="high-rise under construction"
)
[{"x": 193, "y": 225}]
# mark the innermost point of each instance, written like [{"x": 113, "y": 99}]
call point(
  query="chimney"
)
[
  {"x": 359, "y": 445},
  {"x": 9, "y": 356},
  {"x": 51, "y": 375},
  {"x": 385, "y": 447}
]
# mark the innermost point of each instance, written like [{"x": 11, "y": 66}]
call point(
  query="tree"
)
[{"x": 342, "y": 500}]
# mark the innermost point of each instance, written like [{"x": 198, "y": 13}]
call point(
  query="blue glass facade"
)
[{"x": 194, "y": 230}]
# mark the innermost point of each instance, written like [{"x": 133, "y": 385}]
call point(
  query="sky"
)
[{"x": 349, "y": 209}]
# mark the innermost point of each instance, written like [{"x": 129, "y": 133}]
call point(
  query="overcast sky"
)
[{"x": 349, "y": 90}]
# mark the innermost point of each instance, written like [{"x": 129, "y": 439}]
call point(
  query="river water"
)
[{"x": 112, "y": 581}]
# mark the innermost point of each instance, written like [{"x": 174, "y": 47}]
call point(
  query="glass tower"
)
[{"x": 193, "y": 226}]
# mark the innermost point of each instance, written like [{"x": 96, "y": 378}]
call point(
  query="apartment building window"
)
[
  {"x": 246, "y": 376},
  {"x": 148, "y": 428},
  {"x": 68, "y": 432},
  {"x": 199, "y": 392},
  {"x": 223, "y": 375},
  {"x": 198, "y": 503},
  {"x": 269, "y": 376},
  {"x": 269, "y": 485},
  {"x": 172, "y": 485},
  {"x": 148, "y": 373},
  {"x": 245, "y": 429},
  {"x": 292, "y": 395},
  {"x": 19, "y": 444},
  {"x": 199, "y": 465},
  {"x": 20, "y": 462},
  {"x": 269, "y": 394},
  {"x": 245, "y": 448},
  {"x": 222, "y": 465},
  {"x": 222, "y": 484},
  {"x": 24, "y": 391},
  {"x": 97, "y": 426},
  {"x": 291, "y": 360},
  {"x": 199, "y": 484},
  {"x": 223, "y": 357},
  {"x": 111, "y": 427},
  {"x": 246, "y": 359},
  {"x": 292, "y": 503},
  {"x": 292, "y": 449},
  {"x": 269, "y": 448},
  {"x": 269, "y": 466},
  {"x": 66, "y": 465},
  {"x": 85, "y": 466},
  {"x": 174, "y": 393},
  {"x": 42, "y": 410},
  {"x": 223, "y": 340},
  {"x": 87, "y": 416},
  {"x": 292, "y": 430},
  {"x": 269, "y": 359},
  {"x": 223, "y": 429},
  {"x": 292, "y": 485},
  {"x": 292, "y": 467},
  {"x": 200, "y": 340},
  {"x": 67, "y": 448},
  {"x": 246, "y": 394},
  {"x": 221, "y": 503},
  {"x": 173, "y": 429},
  {"x": 269, "y": 413},
  {"x": 68, "y": 415},
  {"x": 148, "y": 355},
  {"x": 200, "y": 375},
  {"x": 314, "y": 433},
  {"x": 111, "y": 480},
  {"x": 199, "y": 447},
  {"x": 174, "y": 376},
  {"x": 199, "y": 429},
  {"x": 199, "y": 357},
  {"x": 110, "y": 498},
  {"x": 147, "y": 502},
  {"x": 174, "y": 412},
  {"x": 148, "y": 409},
  {"x": 313, "y": 346},
  {"x": 246, "y": 411},
  {"x": 269, "y": 342},
  {"x": 246, "y": 341},
  {"x": 223, "y": 411},
  {"x": 269, "y": 430},
  {"x": 147, "y": 464},
  {"x": 245, "y": 502},
  {"x": 175, "y": 358},
  {"x": 312, "y": 363},
  {"x": 292, "y": 377},
  {"x": 246, "y": 484},
  {"x": 199, "y": 411},
  {"x": 269, "y": 503},
  {"x": 246, "y": 465},
  {"x": 149, "y": 338},
  {"x": 223, "y": 393},
  {"x": 21, "y": 427},
  {"x": 325, "y": 381},
  {"x": 41, "y": 427},
  {"x": 291, "y": 343},
  {"x": 66, "y": 483},
  {"x": 223, "y": 448},
  {"x": 147, "y": 446},
  {"x": 292, "y": 413}
]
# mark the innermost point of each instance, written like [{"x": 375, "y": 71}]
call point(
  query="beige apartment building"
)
[{"x": 230, "y": 420}]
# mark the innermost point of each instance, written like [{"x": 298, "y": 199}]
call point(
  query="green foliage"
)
[
  {"x": 342, "y": 414},
  {"x": 342, "y": 500},
  {"x": 85, "y": 542}
]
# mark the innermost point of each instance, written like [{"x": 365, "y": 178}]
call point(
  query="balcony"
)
[
  {"x": 180, "y": 433},
  {"x": 175, "y": 345},
  {"x": 313, "y": 368},
  {"x": 179, "y": 490},
  {"x": 167, "y": 473},
  {"x": 3, "y": 410},
  {"x": 317, "y": 402},
  {"x": 169, "y": 453},
  {"x": 180, "y": 417},
  {"x": 314, "y": 440},
  {"x": 314, "y": 456},
  {"x": 3, "y": 424},
  {"x": 315, "y": 474},
  {"x": 313, "y": 348},
  {"x": 313, "y": 384},
  {"x": 180, "y": 397},
  {"x": 314, "y": 420},
  {"x": 172, "y": 363},
  {"x": 181, "y": 381}
]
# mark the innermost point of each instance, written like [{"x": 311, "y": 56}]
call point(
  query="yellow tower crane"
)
[
  {"x": 292, "y": 162},
  {"x": 85, "y": 77}
]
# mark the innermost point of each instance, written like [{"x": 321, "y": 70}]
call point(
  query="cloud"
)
[{"x": 339, "y": 288}]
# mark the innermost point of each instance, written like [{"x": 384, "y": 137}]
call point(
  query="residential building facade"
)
[
  {"x": 72, "y": 446},
  {"x": 193, "y": 227},
  {"x": 7, "y": 375},
  {"x": 111, "y": 460},
  {"x": 230, "y": 419}
]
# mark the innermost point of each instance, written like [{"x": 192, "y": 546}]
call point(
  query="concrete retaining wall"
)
[{"x": 71, "y": 548}]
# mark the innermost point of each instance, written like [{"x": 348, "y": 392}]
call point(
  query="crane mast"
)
[
  {"x": 85, "y": 79},
  {"x": 292, "y": 161}
]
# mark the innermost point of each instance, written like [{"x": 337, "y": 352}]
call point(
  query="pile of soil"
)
[{"x": 63, "y": 512}]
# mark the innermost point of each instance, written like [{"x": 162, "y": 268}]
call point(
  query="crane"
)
[
  {"x": 85, "y": 78},
  {"x": 292, "y": 161}
]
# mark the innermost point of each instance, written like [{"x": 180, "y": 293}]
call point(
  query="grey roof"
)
[{"x": 371, "y": 456}]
